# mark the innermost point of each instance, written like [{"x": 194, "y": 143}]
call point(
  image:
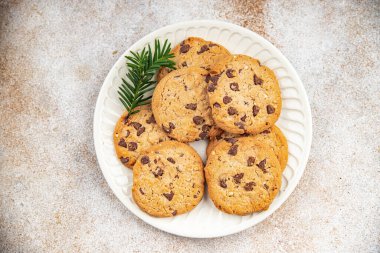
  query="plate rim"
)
[{"x": 308, "y": 129}]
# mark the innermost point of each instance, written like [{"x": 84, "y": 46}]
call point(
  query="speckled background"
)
[{"x": 54, "y": 56}]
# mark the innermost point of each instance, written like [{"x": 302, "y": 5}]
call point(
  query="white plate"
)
[{"x": 205, "y": 221}]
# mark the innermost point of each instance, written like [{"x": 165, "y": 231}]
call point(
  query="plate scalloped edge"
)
[{"x": 205, "y": 221}]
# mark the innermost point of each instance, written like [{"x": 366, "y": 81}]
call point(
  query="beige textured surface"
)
[{"x": 54, "y": 56}]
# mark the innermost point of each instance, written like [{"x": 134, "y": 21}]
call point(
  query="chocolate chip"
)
[
  {"x": 127, "y": 133},
  {"x": 135, "y": 125},
  {"x": 257, "y": 80},
  {"x": 140, "y": 131},
  {"x": 211, "y": 87},
  {"x": 159, "y": 172},
  {"x": 214, "y": 79},
  {"x": 230, "y": 140},
  {"x": 141, "y": 191},
  {"x": 206, "y": 128},
  {"x": 169, "y": 196},
  {"x": 145, "y": 159},
  {"x": 227, "y": 99},
  {"x": 171, "y": 125},
  {"x": 251, "y": 161},
  {"x": 132, "y": 146},
  {"x": 243, "y": 118},
  {"x": 216, "y": 105},
  {"x": 171, "y": 160},
  {"x": 174, "y": 213},
  {"x": 237, "y": 178},
  {"x": 261, "y": 165},
  {"x": 266, "y": 131},
  {"x": 155, "y": 161},
  {"x": 218, "y": 137},
  {"x": 125, "y": 120},
  {"x": 266, "y": 186},
  {"x": 185, "y": 88},
  {"x": 270, "y": 109},
  {"x": 184, "y": 48},
  {"x": 198, "y": 120},
  {"x": 207, "y": 78},
  {"x": 249, "y": 186},
  {"x": 191, "y": 106},
  {"x": 124, "y": 159},
  {"x": 239, "y": 124},
  {"x": 203, "y": 49},
  {"x": 222, "y": 183},
  {"x": 233, "y": 150},
  {"x": 229, "y": 73},
  {"x": 122, "y": 143},
  {"x": 203, "y": 135},
  {"x": 184, "y": 64},
  {"x": 151, "y": 120},
  {"x": 234, "y": 86},
  {"x": 232, "y": 111},
  {"x": 195, "y": 196},
  {"x": 255, "y": 110},
  {"x": 176, "y": 176}
]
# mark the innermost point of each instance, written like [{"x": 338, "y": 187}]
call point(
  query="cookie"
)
[
  {"x": 196, "y": 52},
  {"x": 168, "y": 179},
  {"x": 136, "y": 133},
  {"x": 180, "y": 105},
  {"x": 273, "y": 137},
  {"x": 243, "y": 176},
  {"x": 245, "y": 96}
]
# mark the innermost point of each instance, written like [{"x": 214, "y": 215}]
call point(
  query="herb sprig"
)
[{"x": 142, "y": 67}]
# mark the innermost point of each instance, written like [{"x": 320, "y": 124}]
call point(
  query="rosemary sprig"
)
[{"x": 142, "y": 67}]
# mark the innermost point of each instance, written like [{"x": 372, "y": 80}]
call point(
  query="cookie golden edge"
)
[
  {"x": 197, "y": 161},
  {"x": 254, "y": 129},
  {"x": 120, "y": 125},
  {"x": 214, "y": 194},
  {"x": 284, "y": 153},
  {"x": 176, "y": 51}
]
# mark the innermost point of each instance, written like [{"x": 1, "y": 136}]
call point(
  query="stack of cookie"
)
[{"x": 231, "y": 100}]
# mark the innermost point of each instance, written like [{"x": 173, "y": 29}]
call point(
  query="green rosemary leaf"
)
[
  {"x": 145, "y": 98},
  {"x": 142, "y": 68}
]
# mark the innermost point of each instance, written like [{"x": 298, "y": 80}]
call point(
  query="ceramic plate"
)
[{"x": 206, "y": 221}]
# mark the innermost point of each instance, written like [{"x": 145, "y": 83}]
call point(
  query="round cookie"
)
[
  {"x": 273, "y": 137},
  {"x": 168, "y": 179},
  {"x": 198, "y": 52},
  {"x": 244, "y": 96},
  {"x": 135, "y": 133},
  {"x": 180, "y": 105},
  {"x": 242, "y": 177}
]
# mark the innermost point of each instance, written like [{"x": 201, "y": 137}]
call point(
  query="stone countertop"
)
[{"x": 54, "y": 56}]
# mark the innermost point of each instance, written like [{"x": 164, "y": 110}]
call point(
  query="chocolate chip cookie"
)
[
  {"x": 168, "y": 179},
  {"x": 243, "y": 176},
  {"x": 197, "y": 52},
  {"x": 244, "y": 95},
  {"x": 133, "y": 134},
  {"x": 180, "y": 105},
  {"x": 273, "y": 137}
]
